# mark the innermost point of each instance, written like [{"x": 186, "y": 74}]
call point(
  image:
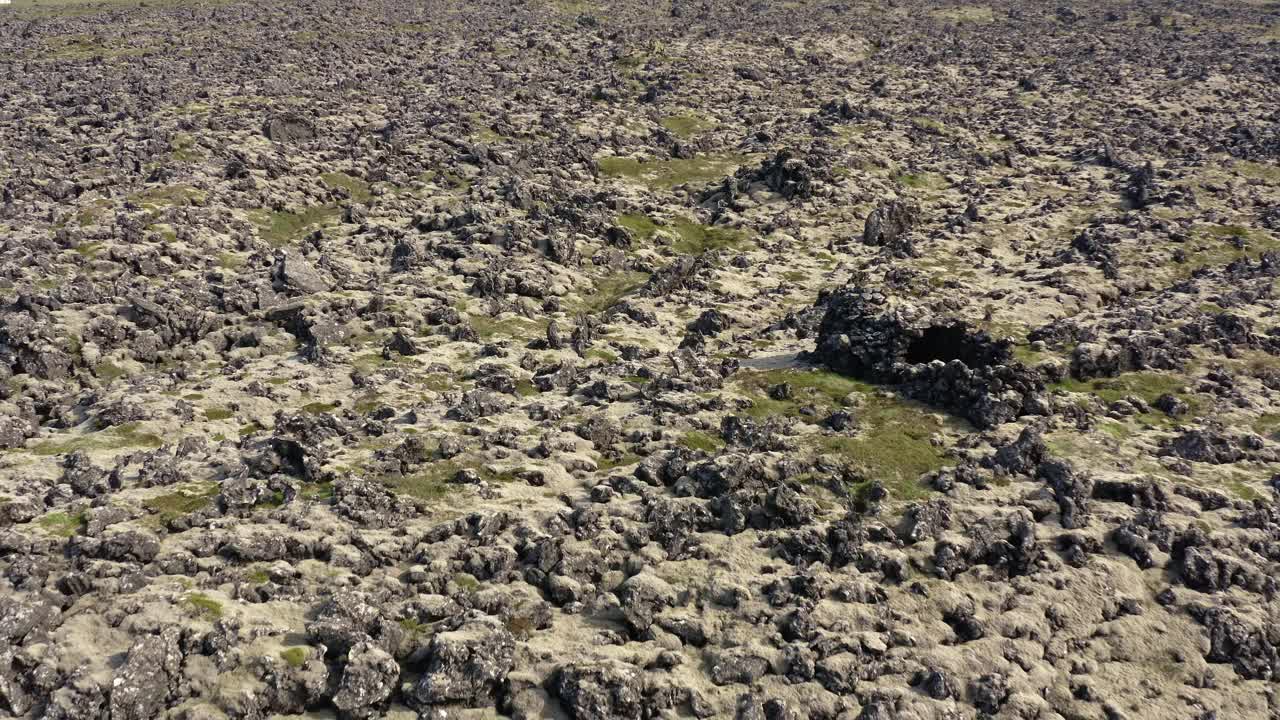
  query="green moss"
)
[
  {"x": 296, "y": 657},
  {"x": 929, "y": 125},
  {"x": 167, "y": 508},
  {"x": 1117, "y": 430},
  {"x": 1146, "y": 384},
  {"x": 317, "y": 491},
  {"x": 89, "y": 250},
  {"x": 121, "y": 436},
  {"x": 249, "y": 429},
  {"x": 230, "y": 261},
  {"x": 896, "y": 453},
  {"x": 282, "y": 228},
  {"x": 924, "y": 181},
  {"x": 976, "y": 14},
  {"x": 466, "y": 582},
  {"x": 62, "y": 524},
  {"x": 257, "y": 576},
  {"x": 640, "y": 226},
  {"x": 697, "y": 440},
  {"x": 686, "y": 126},
  {"x": 611, "y": 289},
  {"x": 185, "y": 149},
  {"x": 1238, "y": 485},
  {"x": 216, "y": 414},
  {"x": 1268, "y": 425},
  {"x": 357, "y": 188},
  {"x": 696, "y": 238},
  {"x": 516, "y": 326},
  {"x": 431, "y": 484},
  {"x": 606, "y": 464},
  {"x": 1259, "y": 171},
  {"x": 824, "y": 390},
  {"x": 602, "y": 355},
  {"x": 168, "y": 196},
  {"x": 108, "y": 372},
  {"x": 416, "y": 628},
  {"x": 318, "y": 408},
  {"x": 667, "y": 174},
  {"x": 203, "y": 605}
]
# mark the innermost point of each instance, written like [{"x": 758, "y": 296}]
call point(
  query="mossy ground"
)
[
  {"x": 168, "y": 196},
  {"x": 667, "y": 174},
  {"x": 358, "y": 189},
  {"x": 695, "y": 238},
  {"x": 611, "y": 289},
  {"x": 62, "y": 524},
  {"x": 283, "y": 228},
  {"x": 203, "y": 606},
  {"x": 686, "y": 125},
  {"x": 822, "y": 391},
  {"x": 704, "y": 442},
  {"x": 641, "y": 226},
  {"x": 1147, "y": 385},
  {"x": 129, "y": 435},
  {"x": 894, "y": 440},
  {"x": 171, "y": 506},
  {"x": 295, "y": 657},
  {"x": 515, "y": 326}
]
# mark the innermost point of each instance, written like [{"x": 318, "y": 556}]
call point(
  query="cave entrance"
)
[{"x": 945, "y": 343}]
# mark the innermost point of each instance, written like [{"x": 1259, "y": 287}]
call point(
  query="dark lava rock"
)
[
  {"x": 288, "y": 128},
  {"x": 939, "y": 362}
]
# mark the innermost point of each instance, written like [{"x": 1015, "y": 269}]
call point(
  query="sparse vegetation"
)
[
  {"x": 120, "y": 437},
  {"x": 283, "y": 228},
  {"x": 171, "y": 506},
  {"x": 62, "y": 524},
  {"x": 667, "y": 174},
  {"x": 203, "y": 606}
]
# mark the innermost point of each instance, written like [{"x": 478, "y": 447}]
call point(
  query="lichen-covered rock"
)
[
  {"x": 369, "y": 676},
  {"x": 149, "y": 679},
  {"x": 607, "y": 690},
  {"x": 466, "y": 665}
]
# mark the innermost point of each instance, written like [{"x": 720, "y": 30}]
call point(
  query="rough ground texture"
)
[{"x": 639, "y": 359}]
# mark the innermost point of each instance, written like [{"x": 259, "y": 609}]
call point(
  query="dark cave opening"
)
[{"x": 945, "y": 343}]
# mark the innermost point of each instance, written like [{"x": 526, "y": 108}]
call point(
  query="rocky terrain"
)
[{"x": 692, "y": 358}]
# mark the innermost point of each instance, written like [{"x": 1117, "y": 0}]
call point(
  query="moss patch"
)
[
  {"x": 611, "y": 289},
  {"x": 1146, "y": 385},
  {"x": 62, "y": 524},
  {"x": 640, "y": 226},
  {"x": 892, "y": 447},
  {"x": 698, "y": 440},
  {"x": 431, "y": 484},
  {"x": 124, "y": 436},
  {"x": 686, "y": 126},
  {"x": 168, "y": 196},
  {"x": 695, "y": 238},
  {"x": 318, "y": 408},
  {"x": 282, "y": 228},
  {"x": 203, "y": 605},
  {"x": 821, "y": 390},
  {"x": 516, "y": 326},
  {"x": 166, "y": 508},
  {"x": 358, "y": 189},
  {"x": 296, "y": 657},
  {"x": 667, "y": 174}
]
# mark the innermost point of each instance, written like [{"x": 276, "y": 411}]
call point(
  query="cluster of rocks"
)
[{"x": 455, "y": 360}]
